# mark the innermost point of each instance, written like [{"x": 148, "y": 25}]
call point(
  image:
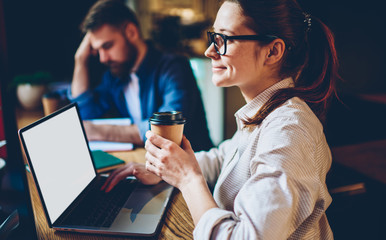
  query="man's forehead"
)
[{"x": 102, "y": 35}]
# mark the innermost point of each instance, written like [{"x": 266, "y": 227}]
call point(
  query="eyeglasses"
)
[{"x": 220, "y": 40}]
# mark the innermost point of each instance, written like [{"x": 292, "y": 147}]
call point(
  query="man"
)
[{"x": 140, "y": 81}]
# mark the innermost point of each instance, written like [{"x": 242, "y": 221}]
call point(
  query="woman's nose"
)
[{"x": 211, "y": 52}]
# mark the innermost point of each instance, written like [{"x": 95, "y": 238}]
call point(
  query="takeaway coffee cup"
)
[
  {"x": 169, "y": 125},
  {"x": 51, "y": 102}
]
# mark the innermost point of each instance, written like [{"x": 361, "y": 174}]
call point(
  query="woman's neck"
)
[{"x": 249, "y": 92}]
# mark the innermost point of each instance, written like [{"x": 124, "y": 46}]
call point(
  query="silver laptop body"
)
[{"x": 61, "y": 163}]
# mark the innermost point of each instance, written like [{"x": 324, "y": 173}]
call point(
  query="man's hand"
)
[
  {"x": 84, "y": 50},
  {"x": 113, "y": 133},
  {"x": 94, "y": 132},
  {"x": 80, "y": 79}
]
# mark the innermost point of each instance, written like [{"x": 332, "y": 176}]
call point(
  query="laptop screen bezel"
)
[{"x": 26, "y": 154}]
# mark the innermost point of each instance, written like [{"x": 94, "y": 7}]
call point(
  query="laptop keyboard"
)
[{"x": 100, "y": 209}]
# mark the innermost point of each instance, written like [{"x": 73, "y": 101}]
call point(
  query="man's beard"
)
[{"x": 122, "y": 70}]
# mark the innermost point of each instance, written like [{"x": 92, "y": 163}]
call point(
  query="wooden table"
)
[
  {"x": 368, "y": 158},
  {"x": 177, "y": 224}
]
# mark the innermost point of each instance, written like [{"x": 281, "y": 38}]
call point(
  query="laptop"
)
[{"x": 61, "y": 163}]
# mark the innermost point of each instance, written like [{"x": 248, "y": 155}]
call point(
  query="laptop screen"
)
[{"x": 60, "y": 158}]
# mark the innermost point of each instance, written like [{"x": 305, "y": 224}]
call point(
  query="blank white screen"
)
[{"x": 61, "y": 160}]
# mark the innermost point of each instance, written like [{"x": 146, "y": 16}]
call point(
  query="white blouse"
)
[{"x": 269, "y": 180}]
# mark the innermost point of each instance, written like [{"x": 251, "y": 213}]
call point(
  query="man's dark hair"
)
[{"x": 112, "y": 12}]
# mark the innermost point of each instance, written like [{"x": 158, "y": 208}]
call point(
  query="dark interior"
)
[{"x": 43, "y": 35}]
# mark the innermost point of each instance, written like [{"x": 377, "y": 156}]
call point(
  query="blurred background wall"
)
[{"x": 43, "y": 35}]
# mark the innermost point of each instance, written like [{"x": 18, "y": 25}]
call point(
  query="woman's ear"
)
[
  {"x": 131, "y": 32},
  {"x": 275, "y": 51}
]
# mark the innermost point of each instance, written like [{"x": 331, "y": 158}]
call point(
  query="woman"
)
[{"x": 268, "y": 180}]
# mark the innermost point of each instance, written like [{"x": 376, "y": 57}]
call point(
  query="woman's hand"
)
[
  {"x": 179, "y": 167},
  {"x": 131, "y": 169},
  {"x": 174, "y": 164}
]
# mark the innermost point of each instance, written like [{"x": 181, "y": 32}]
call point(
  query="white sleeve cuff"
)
[{"x": 209, "y": 220}]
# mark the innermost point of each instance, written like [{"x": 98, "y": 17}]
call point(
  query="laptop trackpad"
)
[{"x": 144, "y": 208}]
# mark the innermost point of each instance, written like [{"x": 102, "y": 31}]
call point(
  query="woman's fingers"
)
[
  {"x": 186, "y": 145},
  {"x": 153, "y": 161},
  {"x": 116, "y": 176},
  {"x": 112, "y": 175},
  {"x": 155, "y": 154},
  {"x": 145, "y": 176},
  {"x": 168, "y": 160},
  {"x": 151, "y": 168},
  {"x": 151, "y": 148},
  {"x": 158, "y": 141},
  {"x": 131, "y": 169}
]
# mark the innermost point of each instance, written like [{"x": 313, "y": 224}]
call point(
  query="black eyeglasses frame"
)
[{"x": 211, "y": 39}]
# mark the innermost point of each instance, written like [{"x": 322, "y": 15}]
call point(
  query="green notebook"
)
[{"x": 104, "y": 160}]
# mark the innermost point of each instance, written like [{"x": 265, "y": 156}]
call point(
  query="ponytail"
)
[
  {"x": 316, "y": 81},
  {"x": 310, "y": 58}
]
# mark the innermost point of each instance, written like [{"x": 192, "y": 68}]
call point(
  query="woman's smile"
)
[{"x": 218, "y": 69}]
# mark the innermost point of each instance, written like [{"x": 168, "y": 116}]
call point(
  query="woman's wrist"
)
[
  {"x": 198, "y": 197},
  {"x": 192, "y": 184}
]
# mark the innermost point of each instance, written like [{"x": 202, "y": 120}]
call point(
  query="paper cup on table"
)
[
  {"x": 169, "y": 125},
  {"x": 51, "y": 103}
]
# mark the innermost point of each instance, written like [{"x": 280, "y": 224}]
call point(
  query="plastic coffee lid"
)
[{"x": 167, "y": 118}]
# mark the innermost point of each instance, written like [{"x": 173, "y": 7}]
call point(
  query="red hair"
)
[{"x": 310, "y": 57}]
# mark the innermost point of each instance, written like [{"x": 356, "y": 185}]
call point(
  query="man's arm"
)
[
  {"x": 112, "y": 133},
  {"x": 170, "y": 83},
  {"x": 80, "y": 79}
]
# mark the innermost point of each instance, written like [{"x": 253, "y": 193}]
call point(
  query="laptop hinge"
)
[{"x": 78, "y": 200}]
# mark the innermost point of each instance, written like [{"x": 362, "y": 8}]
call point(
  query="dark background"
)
[
  {"x": 360, "y": 32},
  {"x": 44, "y": 35}
]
